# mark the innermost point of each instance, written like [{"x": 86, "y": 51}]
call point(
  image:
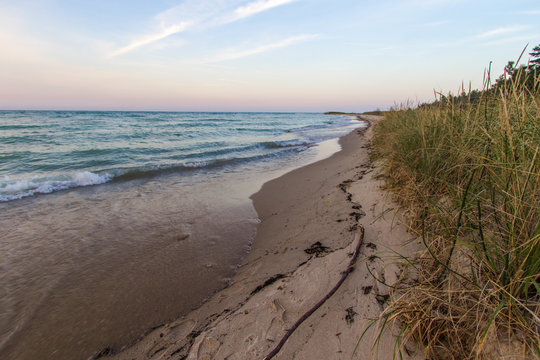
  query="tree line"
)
[{"x": 527, "y": 76}]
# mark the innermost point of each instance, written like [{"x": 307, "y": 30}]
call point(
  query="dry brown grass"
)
[{"x": 468, "y": 176}]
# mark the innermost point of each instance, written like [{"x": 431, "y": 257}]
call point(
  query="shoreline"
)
[
  {"x": 127, "y": 256},
  {"x": 309, "y": 220}
]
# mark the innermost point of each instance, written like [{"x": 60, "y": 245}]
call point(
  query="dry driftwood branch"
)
[{"x": 346, "y": 273}]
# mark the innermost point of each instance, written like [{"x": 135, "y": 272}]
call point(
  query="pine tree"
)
[{"x": 535, "y": 56}]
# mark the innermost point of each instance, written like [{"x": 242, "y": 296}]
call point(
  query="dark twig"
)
[{"x": 346, "y": 273}]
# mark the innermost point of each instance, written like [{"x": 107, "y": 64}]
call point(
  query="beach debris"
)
[
  {"x": 371, "y": 246},
  {"x": 268, "y": 282},
  {"x": 344, "y": 184},
  {"x": 381, "y": 299},
  {"x": 357, "y": 214},
  {"x": 349, "y": 318},
  {"x": 318, "y": 249},
  {"x": 367, "y": 289},
  {"x": 373, "y": 258}
]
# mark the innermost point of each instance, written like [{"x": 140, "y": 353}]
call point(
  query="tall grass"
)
[{"x": 468, "y": 174}]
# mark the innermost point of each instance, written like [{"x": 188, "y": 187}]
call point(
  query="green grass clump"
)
[{"x": 467, "y": 171}]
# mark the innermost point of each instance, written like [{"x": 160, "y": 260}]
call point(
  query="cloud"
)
[
  {"x": 527, "y": 12},
  {"x": 207, "y": 13},
  {"x": 233, "y": 55},
  {"x": 198, "y": 13},
  {"x": 429, "y": 3},
  {"x": 148, "y": 39},
  {"x": 257, "y": 7},
  {"x": 522, "y": 39},
  {"x": 501, "y": 31},
  {"x": 177, "y": 19}
]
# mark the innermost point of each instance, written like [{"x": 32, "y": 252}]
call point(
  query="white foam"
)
[{"x": 13, "y": 189}]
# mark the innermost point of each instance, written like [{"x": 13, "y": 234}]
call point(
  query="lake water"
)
[{"x": 114, "y": 222}]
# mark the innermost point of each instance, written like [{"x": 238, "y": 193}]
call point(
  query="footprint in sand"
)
[
  {"x": 208, "y": 348},
  {"x": 277, "y": 322},
  {"x": 180, "y": 329}
]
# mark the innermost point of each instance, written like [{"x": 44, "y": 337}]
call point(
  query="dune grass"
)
[{"x": 467, "y": 172}]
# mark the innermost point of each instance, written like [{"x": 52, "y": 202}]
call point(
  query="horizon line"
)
[{"x": 180, "y": 111}]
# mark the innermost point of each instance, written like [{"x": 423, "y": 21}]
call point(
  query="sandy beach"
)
[
  {"x": 311, "y": 220},
  {"x": 184, "y": 179}
]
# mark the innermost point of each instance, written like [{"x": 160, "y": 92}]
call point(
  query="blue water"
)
[
  {"x": 158, "y": 217},
  {"x": 48, "y": 151}
]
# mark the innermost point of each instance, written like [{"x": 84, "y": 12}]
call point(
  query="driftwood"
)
[{"x": 346, "y": 273}]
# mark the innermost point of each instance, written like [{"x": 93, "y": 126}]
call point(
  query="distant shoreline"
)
[{"x": 374, "y": 112}]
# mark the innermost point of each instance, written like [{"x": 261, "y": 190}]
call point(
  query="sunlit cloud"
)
[
  {"x": 202, "y": 14},
  {"x": 148, "y": 39},
  {"x": 174, "y": 20},
  {"x": 257, "y": 7},
  {"x": 233, "y": 55},
  {"x": 501, "y": 31}
]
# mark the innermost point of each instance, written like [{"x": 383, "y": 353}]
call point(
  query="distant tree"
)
[
  {"x": 510, "y": 72},
  {"x": 535, "y": 57},
  {"x": 523, "y": 75},
  {"x": 514, "y": 77},
  {"x": 509, "y": 69}
]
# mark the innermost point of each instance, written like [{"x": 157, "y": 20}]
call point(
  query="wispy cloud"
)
[
  {"x": 199, "y": 13},
  {"x": 257, "y": 7},
  {"x": 148, "y": 39},
  {"x": 424, "y": 3},
  {"x": 233, "y": 55},
  {"x": 527, "y": 12},
  {"x": 520, "y": 39},
  {"x": 501, "y": 31}
]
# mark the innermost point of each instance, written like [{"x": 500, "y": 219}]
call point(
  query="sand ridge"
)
[{"x": 308, "y": 232}]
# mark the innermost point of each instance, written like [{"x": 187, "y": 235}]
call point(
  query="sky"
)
[{"x": 253, "y": 55}]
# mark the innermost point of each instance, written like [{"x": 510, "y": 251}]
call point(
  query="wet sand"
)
[
  {"x": 93, "y": 268},
  {"x": 320, "y": 204},
  {"x": 79, "y": 266}
]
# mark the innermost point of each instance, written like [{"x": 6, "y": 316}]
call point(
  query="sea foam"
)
[{"x": 13, "y": 189}]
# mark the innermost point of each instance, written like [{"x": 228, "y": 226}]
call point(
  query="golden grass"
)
[{"x": 468, "y": 173}]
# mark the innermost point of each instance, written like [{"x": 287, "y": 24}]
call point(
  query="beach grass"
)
[{"x": 466, "y": 171}]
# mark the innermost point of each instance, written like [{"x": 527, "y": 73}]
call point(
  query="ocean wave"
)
[
  {"x": 286, "y": 144},
  {"x": 44, "y": 152},
  {"x": 18, "y": 188},
  {"x": 14, "y": 189},
  {"x": 210, "y": 161}
]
